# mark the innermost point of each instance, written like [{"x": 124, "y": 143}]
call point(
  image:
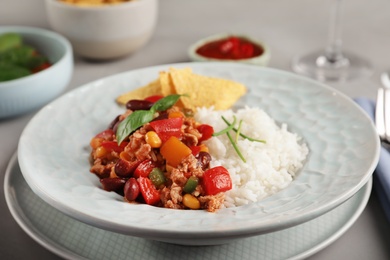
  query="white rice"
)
[{"x": 269, "y": 167}]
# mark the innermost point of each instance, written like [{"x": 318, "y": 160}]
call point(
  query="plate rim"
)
[
  {"x": 266, "y": 227},
  {"x": 23, "y": 221}
]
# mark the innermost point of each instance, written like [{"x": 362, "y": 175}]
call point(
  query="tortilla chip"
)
[
  {"x": 153, "y": 88},
  {"x": 203, "y": 91},
  {"x": 167, "y": 87},
  {"x": 198, "y": 90}
]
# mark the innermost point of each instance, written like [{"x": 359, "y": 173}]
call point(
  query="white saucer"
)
[{"x": 70, "y": 238}]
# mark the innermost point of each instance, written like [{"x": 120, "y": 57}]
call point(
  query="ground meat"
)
[
  {"x": 171, "y": 197},
  {"x": 138, "y": 149},
  {"x": 191, "y": 134},
  {"x": 190, "y": 164},
  {"x": 176, "y": 192},
  {"x": 212, "y": 203},
  {"x": 172, "y": 205},
  {"x": 189, "y": 139},
  {"x": 101, "y": 169},
  {"x": 177, "y": 176}
]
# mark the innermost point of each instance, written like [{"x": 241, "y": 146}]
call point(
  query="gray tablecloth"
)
[{"x": 288, "y": 27}]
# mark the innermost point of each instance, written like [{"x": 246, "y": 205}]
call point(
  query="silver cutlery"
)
[{"x": 382, "y": 110}]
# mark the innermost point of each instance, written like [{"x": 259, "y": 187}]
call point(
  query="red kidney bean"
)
[
  {"x": 136, "y": 104},
  {"x": 131, "y": 189},
  {"x": 113, "y": 184},
  {"x": 162, "y": 115},
  {"x": 114, "y": 123},
  {"x": 115, "y": 128},
  {"x": 125, "y": 168},
  {"x": 204, "y": 159}
]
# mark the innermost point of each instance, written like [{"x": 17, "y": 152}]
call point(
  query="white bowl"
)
[
  {"x": 31, "y": 92},
  {"x": 261, "y": 60},
  {"x": 343, "y": 144},
  {"x": 104, "y": 32}
]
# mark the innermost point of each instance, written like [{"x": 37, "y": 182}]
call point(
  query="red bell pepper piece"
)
[
  {"x": 207, "y": 132},
  {"x": 216, "y": 180},
  {"x": 111, "y": 146},
  {"x": 154, "y": 98},
  {"x": 195, "y": 150},
  {"x": 144, "y": 168},
  {"x": 107, "y": 134},
  {"x": 166, "y": 128},
  {"x": 148, "y": 191}
]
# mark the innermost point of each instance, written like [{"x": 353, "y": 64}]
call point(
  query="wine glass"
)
[{"x": 332, "y": 64}]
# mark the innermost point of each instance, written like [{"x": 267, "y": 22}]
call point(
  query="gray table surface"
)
[{"x": 289, "y": 27}]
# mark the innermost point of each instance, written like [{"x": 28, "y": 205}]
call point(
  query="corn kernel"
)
[
  {"x": 153, "y": 139},
  {"x": 203, "y": 148},
  {"x": 96, "y": 142},
  {"x": 100, "y": 152},
  {"x": 191, "y": 201}
]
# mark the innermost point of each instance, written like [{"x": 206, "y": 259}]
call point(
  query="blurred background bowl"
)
[
  {"x": 105, "y": 31},
  {"x": 260, "y": 60},
  {"x": 28, "y": 93}
]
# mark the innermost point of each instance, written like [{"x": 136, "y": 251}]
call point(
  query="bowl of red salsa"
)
[{"x": 230, "y": 48}]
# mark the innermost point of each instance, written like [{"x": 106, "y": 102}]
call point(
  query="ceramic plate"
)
[
  {"x": 72, "y": 239},
  {"x": 344, "y": 147}
]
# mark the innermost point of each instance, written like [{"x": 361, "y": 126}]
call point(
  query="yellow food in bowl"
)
[{"x": 94, "y": 2}]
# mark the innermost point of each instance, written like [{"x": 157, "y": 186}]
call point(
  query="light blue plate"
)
[
  {"x": 54, "y": 149},
  {"x": 72, "y": 239}
]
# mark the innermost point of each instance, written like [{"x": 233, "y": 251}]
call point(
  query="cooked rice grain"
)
[{"x": 269, "y": 167}]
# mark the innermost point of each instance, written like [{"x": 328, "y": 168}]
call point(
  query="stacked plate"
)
[{"x": 319, "y": 205}]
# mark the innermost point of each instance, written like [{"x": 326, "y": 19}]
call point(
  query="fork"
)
[{"x": 382, "y": 110}]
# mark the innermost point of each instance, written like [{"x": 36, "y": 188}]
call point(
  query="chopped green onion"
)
[
  {"x": 236, "y": 147},
  {"x": 241, "y": 134},
  {"x": 227, "y": 129},
  {"x": 238, "y": 130}
]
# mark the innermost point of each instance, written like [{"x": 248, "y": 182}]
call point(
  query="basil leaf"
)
[
  {"x": 9, "y": 41},
  {"x": 131, "y": 123},
  {"x": 165, "y": 103},
  {"x": 10, "y": 72},
  {"x": 140, "y": 117},
  {"x": 18, "y": 56}
]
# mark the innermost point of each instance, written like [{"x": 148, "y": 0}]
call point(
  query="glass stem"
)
[{"x": 333, "y": 52}]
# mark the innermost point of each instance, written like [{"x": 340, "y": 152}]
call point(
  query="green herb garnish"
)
[
  {"x": 241, "y": 134},
  {"x": 140, "y": 117},
  {"x": 238, "y": 130},
  {"x": 236, "y": 147},
  {"x": 227, "y": 129},
  {"x": 238, "y": 133},
  {"x": 165, "y": 103}
]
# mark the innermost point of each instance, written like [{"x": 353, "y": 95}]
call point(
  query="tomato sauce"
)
[{"x": 231, "y": 48}]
